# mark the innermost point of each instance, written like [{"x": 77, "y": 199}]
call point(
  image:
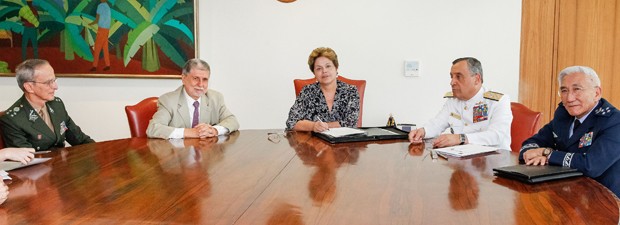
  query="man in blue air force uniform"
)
[
  {"x": 473, "y": 114},
  {"x": 38, "y": 119},
  {"x": 584, "y": 133}
]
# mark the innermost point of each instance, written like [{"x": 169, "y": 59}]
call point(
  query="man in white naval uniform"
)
[{"x": 474, "y": 114}]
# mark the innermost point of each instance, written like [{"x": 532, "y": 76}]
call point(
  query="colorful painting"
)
[{"x": 99, "y": 38}]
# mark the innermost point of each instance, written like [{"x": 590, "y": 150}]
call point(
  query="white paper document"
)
[
  {"x": 465, "y": 150},
  {"x": 5, "y": 175},
  {"x": 11, "y": 165},
  {"x": 342, "y": 131}
]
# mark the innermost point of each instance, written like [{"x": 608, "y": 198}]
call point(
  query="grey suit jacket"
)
[{"x": 173, "y": 112}]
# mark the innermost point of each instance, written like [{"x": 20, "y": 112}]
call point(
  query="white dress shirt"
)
[{"x": 178, "y": 132}]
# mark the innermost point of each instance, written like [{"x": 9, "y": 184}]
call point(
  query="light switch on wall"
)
[{"x": 412, "y": 68}]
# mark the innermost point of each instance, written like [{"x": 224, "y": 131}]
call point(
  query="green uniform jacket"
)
[{"x": 23, "y": 127}]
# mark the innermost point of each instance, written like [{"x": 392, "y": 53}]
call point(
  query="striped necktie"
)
[{"x": 195, "y": 119}]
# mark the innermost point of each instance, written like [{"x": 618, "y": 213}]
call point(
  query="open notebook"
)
[
  {"x": 343, "y": 131},
  {"x": 344, "y": 134}
]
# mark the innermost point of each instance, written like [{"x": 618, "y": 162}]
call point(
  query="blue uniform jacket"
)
[{"x": 594, "y": 148}]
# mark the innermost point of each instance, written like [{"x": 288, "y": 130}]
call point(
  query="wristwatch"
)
[
  {"x": 463, "y": 138},
  {"x": 546, "y": 151}
]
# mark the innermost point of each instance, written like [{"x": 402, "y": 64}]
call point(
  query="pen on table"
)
[
  {"x": 320, "y": 152},
  {"x": 433, "y": 154},
  {"x": 42, "y": 152}
]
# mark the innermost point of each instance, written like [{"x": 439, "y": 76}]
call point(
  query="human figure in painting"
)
[
  {"x": 103, "y": 21},
  {"x": 30, "y": 20}
]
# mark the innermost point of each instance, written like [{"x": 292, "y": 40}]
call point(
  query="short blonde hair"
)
[{"x": 325, "y": 52}]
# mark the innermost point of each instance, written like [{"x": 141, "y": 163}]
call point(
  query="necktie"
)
[
  {"x": 576, "y": 125},
  {"x": 46, "y": 118},
  {"x": 196, "y": 110}
]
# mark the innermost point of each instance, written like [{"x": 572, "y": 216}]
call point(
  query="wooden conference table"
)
[{"x": 256, "y": 178}]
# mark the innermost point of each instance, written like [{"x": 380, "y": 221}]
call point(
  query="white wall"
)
[{"x": 256, "y": 48}]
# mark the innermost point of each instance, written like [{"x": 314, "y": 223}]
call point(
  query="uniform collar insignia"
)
[
  {"x": 602, "y": 111},
  {"x": 33, "y": 116}
]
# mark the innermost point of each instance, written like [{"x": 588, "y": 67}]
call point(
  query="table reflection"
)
[
  {"x": 302, "y": 180},
  {"x": 327, "y": 159},
  {"x": 464, "y": 188},
  {"x": 286, "y": 213},
  {"x": 26, "y": 189},
  {"x": 417, "y": 149},
  {"x": 463, "y": 191}
]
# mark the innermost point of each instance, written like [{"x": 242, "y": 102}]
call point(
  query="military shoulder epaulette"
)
[
  {"x": 495, "y": 96},
  {"x": 603, "y": 111},
  {"x": 449, "y": 94},
  {"x": 13, "y": 112}
]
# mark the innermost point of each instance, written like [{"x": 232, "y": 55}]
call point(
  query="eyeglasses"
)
[
  {"x": 577, "y": 91},
  {"x": 48, "y": 83},
  {"x": 275, "y": 137}
]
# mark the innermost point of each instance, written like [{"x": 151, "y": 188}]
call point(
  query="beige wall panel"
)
[
  {"x": 587, "y": 34},
  {"x": 613, "y": 78},
  {"x": 537, "y": 54},
  {"x": 577, "y": 32}
]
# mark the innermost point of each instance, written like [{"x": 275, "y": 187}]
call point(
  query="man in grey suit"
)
[{"x": 192, "y": 110}]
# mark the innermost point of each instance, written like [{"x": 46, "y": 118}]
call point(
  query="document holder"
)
[
  {"x": 370, "y": 134},
  {"x": 536, "y": 174}
]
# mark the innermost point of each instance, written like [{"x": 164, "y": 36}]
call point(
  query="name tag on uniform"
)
[
  {"x": 481, "y": 113},
  {"x": 586, "y": 140},
  {"x": 456, "y": 116}
]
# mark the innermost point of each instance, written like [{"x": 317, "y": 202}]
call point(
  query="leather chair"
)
[
  {"x": 1, "y": 134},
  {"x": 525, "y": 123},
  {"x": 360, "y": 84},
  {"x": 140, "y": 114}
]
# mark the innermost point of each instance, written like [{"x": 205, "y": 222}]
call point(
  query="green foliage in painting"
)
[
  {"x": 150, "y": 26},
  {"x": 150, "y": 18}
]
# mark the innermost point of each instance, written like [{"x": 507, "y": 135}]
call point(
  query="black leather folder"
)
[
  {"x": 536, "y": 174},
  {"x": 370, "y": 134}
]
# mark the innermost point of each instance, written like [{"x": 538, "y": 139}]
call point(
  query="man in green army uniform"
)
[{"x": 38, "y": 119}]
